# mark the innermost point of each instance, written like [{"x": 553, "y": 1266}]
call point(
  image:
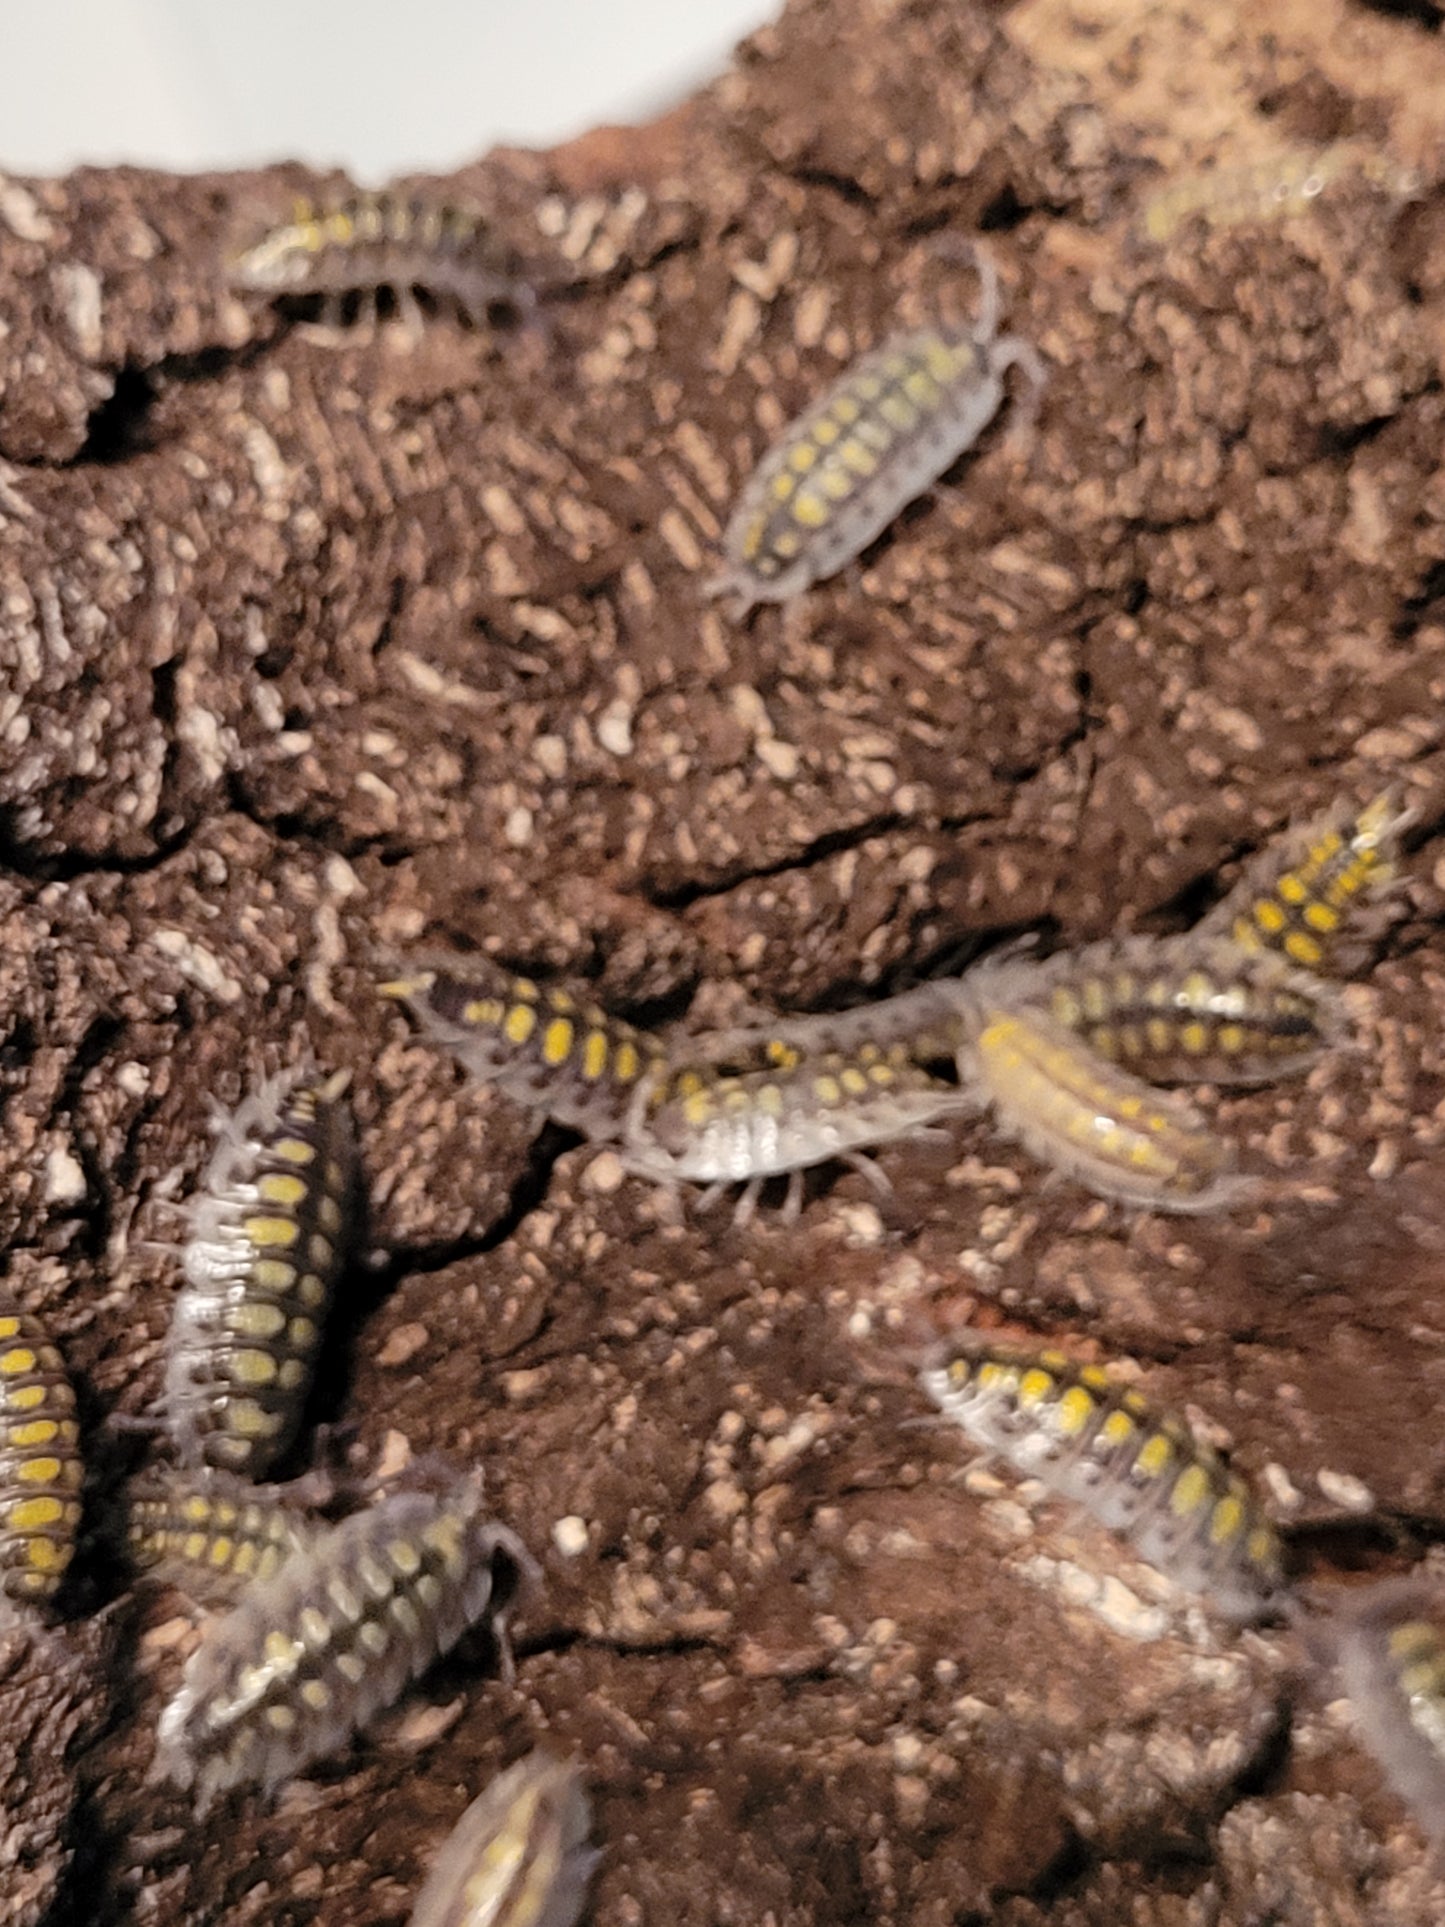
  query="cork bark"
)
[{"x": 318, "y": 646}]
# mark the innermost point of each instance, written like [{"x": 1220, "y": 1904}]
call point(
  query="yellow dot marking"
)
[
  {"x": 521, "y": 1021},
  {"x": 316, "y": 1694},
  {"x": 41, "y": 1471},
  {"x": 221, "y": 1552},
  {"x": 1261, "y": 1546},
  {"x": 898, "y": 411},
  {"x": 1073, "y": 1411},
  {"x": 252, "y": 1421},
  {"x": 1270, "y": 917},
  {"x": 1118, "y": 1428},
  {"x": 826, "y": 431},
  {"x": 1194, "y": 1039},
  {"x": 802, "y": 458},
  {"x": 594, "y": 1056},
  {"x": 787, "y": 544},
  {"x": 827, "y": 1090},
  {"x": 1303, "y": 949},
  {"x": 294, "y": 1150},
  {"x": 783, "y": 486},
  {"x": 883, "y": 1075},
  {"x": 810, "y": 510},
  {"x": 253, "y": 1367},
  {"x": 1226, "y": 1519},
  {"x": 770, "y": 1100},
  {"x": 39, "y": 1431},
  {"x": 846, "y": 410},
  {"x": 836, "y": 483},
  {"x": 1410, "y": 1640},
  {"x": 557, "y": 1041},
  {"x": 1034, "y": 1387},
  {"x": 853, "y": 1081},
  {"x": 921, "y": 389},
  {"x": 1292, "y": 888},
  {"x": 484, "y": 1012},
  {"x": 32, "y": 1515},
  {"x": 17, "y": 1361},
  {"x": 1154, "y": 1455},
  {"x": 1191, "y": 1490},
  {"x": 697, "y": 1108},
  {"x": 626, "y": 1064},
  {"x": 857, "y": 458},
  {"x": 277, "y": 1232}
]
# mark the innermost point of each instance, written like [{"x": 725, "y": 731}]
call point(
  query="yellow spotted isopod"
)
[
  {"x": 409, "y": 242},
  {"x": 886, "y": 430},
  {"x": 518, "y": 1857},
  {"x": 40, "y": 1466},
  {"x": 270, "y": 1234},
  {"x": 335, "y": 1635},
  {"x": 1141, "y": 1472}
]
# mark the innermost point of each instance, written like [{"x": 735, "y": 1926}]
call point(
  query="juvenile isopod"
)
[
  {"x": 1140, "y": 1472},
  {"x": 1259, "y": 192},
  {"x": 883, "y": 434},
  {"x": 518, "y": 1857},
  {"x": 40, "y": 1466},
  {"x": 404, "y": 241},
  {"x": 335, "y": 1635},
  {"x": 270, "y": 1233}
]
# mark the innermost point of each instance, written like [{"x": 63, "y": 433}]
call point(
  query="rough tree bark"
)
[{"x": 316, "y": 650}]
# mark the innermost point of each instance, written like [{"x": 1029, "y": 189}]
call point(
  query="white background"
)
[{"x": 379, "y": 87}]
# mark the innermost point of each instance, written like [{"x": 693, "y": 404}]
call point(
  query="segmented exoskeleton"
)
[
  {"x": 1308, "y": 895},
  {"x": 211, "y": 1533},
  {"x": 565, "y": 1059},
  {"x": 40, "y": 1466},
  {"x": 880, "y": 436},
  {"x": 725, "y": 1130},
  {"x": 334, "y": 1636},
  {"x": 1139, "y": 1471},
  {"x": 518, "y": 1857},
  {"x": 1389, "y": 1646},
  {"x": 406, "y": 241},
  {"x": 1178, "y": 1010},
  {"x": 271, "y": 1230}
]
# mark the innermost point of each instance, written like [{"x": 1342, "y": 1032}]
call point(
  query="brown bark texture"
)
[{"x": 323, "y": 645}]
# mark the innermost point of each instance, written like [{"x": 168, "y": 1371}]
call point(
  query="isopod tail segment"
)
[
  {"x": 1178, "y": 1010},
  {"x": 884, "y": 433},
  {"x": 1093, "y": 1121},
  {"x": 1313, "y": 896}
]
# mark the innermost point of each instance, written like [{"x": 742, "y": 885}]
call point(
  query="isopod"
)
[
  {"x": 567, "y": 1060},
  {"x": 1389, "y": 1646},
  {"x": 1308, "y": 895},
  {"x": 518, "y": 1857},
  {"x": 335, "y": 1635},
  {"x": 1140, "y": 1472},
  {"x": 210, "y": 1532},
  {"x": 884, "y": 433},
  {"x": 362, "y": 243},
  {"x": 40, "y": 1466},
  {"x": 270, "y": 1234},
  {"x": 1094, "y": 1121}
]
